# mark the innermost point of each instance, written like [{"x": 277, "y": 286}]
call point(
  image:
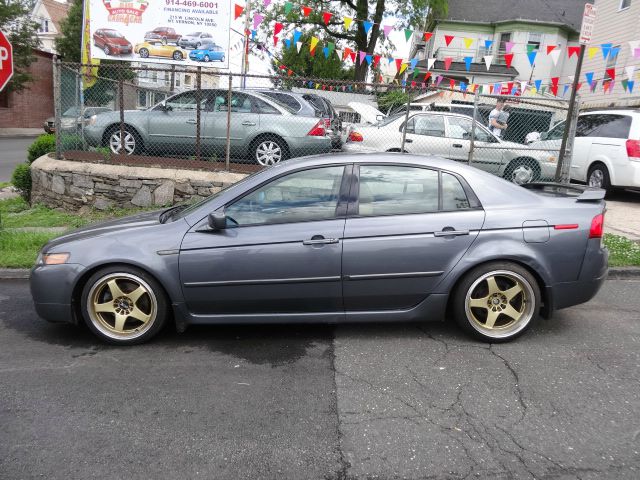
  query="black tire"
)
[
  {"x": 143, "y": 52},
  {"x": 262, "y": 145},
  {"x": 222, "y": 58},
  {"x": 128, "y": 132},
  {"x": 598, "y": 177},
  {"x": 177, "y": 55},
  {"x": 97, "y": 296},
  {"x": 206, "y": 58},
  {"x": 522, "y": 170},
  {"x": 197, "y": 45},
  {"x": 106, "y": 50},
  {"x": 476, "y": 303}
]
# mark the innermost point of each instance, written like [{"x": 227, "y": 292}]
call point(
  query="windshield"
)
[
  {"x": 388, "y": 120},
  {"x": 113, "y": 34},
  {"x": 71, "y": 112}
]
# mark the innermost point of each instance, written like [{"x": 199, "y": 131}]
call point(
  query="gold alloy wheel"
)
[
  {"x": 500, "y": 303},
  {"x": 122, "y": 306}
]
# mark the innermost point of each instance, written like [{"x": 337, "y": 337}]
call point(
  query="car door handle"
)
[
  {"x": 248, "y": 124},
  {"x": 408, "y": 140},
  {"x": 457, "y": 145},
  {"x": 319, "y": 241},
  {"x": 450, "y": 232},
  {"x": 192, "y": 121}
]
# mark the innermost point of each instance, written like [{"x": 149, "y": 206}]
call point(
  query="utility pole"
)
[{"x": 245, "y": 51}]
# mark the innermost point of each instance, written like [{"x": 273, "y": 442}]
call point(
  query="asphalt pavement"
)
[
  {"x": 366, "y": 401},
  {"x": 13, "y": 150}
]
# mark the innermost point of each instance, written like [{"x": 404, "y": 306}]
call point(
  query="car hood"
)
[
  {"x": 120, "y": 226},
  {"x": 368, "y": 114}
]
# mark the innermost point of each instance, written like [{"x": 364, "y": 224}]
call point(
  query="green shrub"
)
[
  {"x": 41, "y": 146},
  {"x": 69, "y": 142},
  {"x": 21, "y": 179},
  {"x": 105, "y": 152}
]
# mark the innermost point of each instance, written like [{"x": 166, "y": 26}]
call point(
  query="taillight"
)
[
  {"x": 597, "y": 226},
  {"x": 319, "y": 130},
  {"x": 327, "y": 122},
  {"x": 355, "y": 137},
  {"x": 633, "y": 150}
]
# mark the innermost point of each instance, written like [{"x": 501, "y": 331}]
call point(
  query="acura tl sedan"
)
[
  {"x": 335, "y": 238},
  {"x": 262, "y": 129}
]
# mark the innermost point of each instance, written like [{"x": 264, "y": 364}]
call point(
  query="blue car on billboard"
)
[{"x": 207, "y": 52}]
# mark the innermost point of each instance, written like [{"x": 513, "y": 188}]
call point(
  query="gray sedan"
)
[
  {"x": 261, "y": 128},
  {"x": 342, "y": 238}
]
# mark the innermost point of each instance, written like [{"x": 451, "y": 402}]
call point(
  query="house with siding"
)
[
  {"x": 530, "y": 25},
  {"x": 48, "y": 14},
  {"x": 616, "y": 23}
]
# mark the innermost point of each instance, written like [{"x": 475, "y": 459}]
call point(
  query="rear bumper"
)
[{"x": 303, "y": 146}]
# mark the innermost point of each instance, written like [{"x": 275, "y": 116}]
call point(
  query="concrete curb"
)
[{"x": 616, "y": 273}]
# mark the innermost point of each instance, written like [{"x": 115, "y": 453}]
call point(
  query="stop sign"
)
[{"x": 6, "y": 61}]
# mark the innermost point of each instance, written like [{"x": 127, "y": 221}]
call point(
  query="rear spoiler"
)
[{"x": 581, "y": 193}]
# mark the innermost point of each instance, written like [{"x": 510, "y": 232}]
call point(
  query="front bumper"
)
[{"x": 52, "y": 290}]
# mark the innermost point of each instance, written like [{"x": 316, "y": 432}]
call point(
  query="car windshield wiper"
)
[{"x": 169, "y": 212}]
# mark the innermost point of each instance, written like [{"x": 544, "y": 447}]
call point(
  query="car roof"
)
[{"x": 623, "y": 111}]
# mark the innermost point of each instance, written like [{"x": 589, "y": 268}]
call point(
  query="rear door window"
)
[
  {"x": 288, "y": 100},
  {"x": 604, "y": 125}
]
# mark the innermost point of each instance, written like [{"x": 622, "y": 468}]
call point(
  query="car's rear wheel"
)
[
  {"x": 206, "y": 58},
  {"x": 143, "y": 52},
  {"x": 177, "y": 55},
  {"x": 522, "y": 171},
  {"x": 198, "y": 45},
  {"x": 131, "y": 141},
  {"x": 268, "y": 151},
  {"x": 497, "y": 302},
  {"x": 123, "y": 305},
  {"x": 598, "y": 177}
]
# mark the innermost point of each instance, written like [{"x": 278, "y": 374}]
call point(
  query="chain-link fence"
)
[{"x": 203, "y": 118}]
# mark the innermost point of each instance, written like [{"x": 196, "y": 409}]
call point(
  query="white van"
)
[{"x": 606, "y": 150}]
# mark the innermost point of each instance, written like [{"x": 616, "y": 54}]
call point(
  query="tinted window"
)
[
  {"x": 264, "y": 107},
  {"x": 392, "y": 190},
  {"x": 603, "y": 125},
  {"x": 285, "y": 99},
  {"x": 310, "y": 195},
  {"x": 556, "y": 132},
  {"x": 239, "y": 102},
  {"x": 453, "y": 194},
  {"x": 317, "y": 103},
  {"x": 185, "y": 101},
  {"x": 460, "y": 128},
  {"x": 426, "y": 125}
]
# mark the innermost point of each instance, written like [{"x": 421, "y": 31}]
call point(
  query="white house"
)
[{"x": 48, "y": 14}]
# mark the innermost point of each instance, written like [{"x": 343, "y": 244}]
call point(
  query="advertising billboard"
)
[{"x": 175, "y": 32}]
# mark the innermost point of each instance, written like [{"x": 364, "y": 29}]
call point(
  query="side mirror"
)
[
  {"x": 217, "y": 221},
  {"x": 544, "y": 135},
  {"x": 379, "y": 117}
]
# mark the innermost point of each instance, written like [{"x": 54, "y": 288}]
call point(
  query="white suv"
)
[{"x": 606, "y": 150}]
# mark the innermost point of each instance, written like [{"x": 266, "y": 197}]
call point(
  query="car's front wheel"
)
[
  {"x": 127, "y": 143},
  {"x": 144, "y": 53},
  {"x": 497, "y": 302},
  {"x": 177, "y": 55},
  {"x": 206, "y": 58},
  {"x": 123, "y": 305},
  {"x": 222, "y": 58},
  {"x": 106, "y": 50},
  {"x": 522, "y": 171}
]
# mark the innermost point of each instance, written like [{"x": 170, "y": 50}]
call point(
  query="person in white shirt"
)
[{"x": 498, "y": 119}]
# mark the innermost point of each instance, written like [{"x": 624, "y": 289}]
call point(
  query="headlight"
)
[
  {"x": 54, "y": 258},
  {"x": 92, "y": 120}
]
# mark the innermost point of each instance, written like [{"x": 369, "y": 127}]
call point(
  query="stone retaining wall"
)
[{"x": 73, "y": 185}]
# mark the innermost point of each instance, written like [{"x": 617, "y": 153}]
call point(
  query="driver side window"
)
[
  {"x": 184, "y": 102},
  {"x": 306, "y": 196}
]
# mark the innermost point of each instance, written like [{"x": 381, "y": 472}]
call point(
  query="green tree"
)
[
  {"x": 21, "y": 32},
  {"x": 392, "y": 99},
  {"x": 412, "y": 14},
  {"x": 68, "y": 45}
]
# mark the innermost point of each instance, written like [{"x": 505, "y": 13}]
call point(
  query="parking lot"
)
[{"x": 359, "y": 401}]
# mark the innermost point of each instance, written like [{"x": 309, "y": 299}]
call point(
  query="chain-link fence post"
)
[
  {"x": 57, "y": 106},
  {"x": 473, "y": 128},
  {"x": 567, "y": 156},
  {"x": 406, "y": 121},
  {"x": 228, "y": 145},
  {"x": 122, "y": 148},
  {"x": 198, "y": 112}
]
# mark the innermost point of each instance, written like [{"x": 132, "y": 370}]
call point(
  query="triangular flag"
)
[
  {"x": 362, "y": 55},
  {"x": 298, "y": 46},
  {"x": 487, "y": 44},
  {"x": 254, "y": 34},
  {"x": 510, "y": 88},
  {"x": 347, "y": 22},
  {"x": 426, "y": 76},
  {"x": 438, "y": 80},
  {"x": 390, "y": 60},
  {"x": 407, "y": 34},
  {"x": 589, "y": 77},
  {"x": 487, "y": 61},
  {"x": 555, "y": 80},
  {"x": 413, "y": 62},
  {"x": 289, "y": 72},
  {"x": 463, "y": 87},
  {"x": 633, "y": 44},
  {"x": 331, "y": 46},
  {"x": 277, "y": 28},
  {"x": 607, "y": 86},
  {"x": 430, "y": 62},
  {"x": 509, "y": 46},
  {"x": 630, "y": 84},
  {"x": 555, "y": 55},
  {"x": 352, "y": 56},
  {"x": 368, "y": 58},
  {"x": 636, "y": 53},
  {"x": 538, "y": 84},
  {"x": 611, "y": 73},
  {"x": 554, "y": 89},
  {"x": 275, "y": 40},
  {"x": 296, "y": 35},
  {"x": 594, "y": 85},
  {"x": 550, "y": 48},
  {"x": 257, "y": 20},
  {"x": 573, "y": 51},
  {"x": 267, "y": 3},
  {"x": 287, "y": 42},
  {"x": 376, "y": 60},
  {"x": 591, "y": 51},
  {"x": 468, "y": 42},
  {"x": 448, "y": 39},
  {"x": 287, "y": 8},
  {"x": 625, "y": 83},
  {"x": 447, "y": 62},
  {"x": 497, "y": 88},
  {"x": 452, "y": 83},
  {"x": 613, "y": 53},
  {"x": 523, "y": 87},
  {"x": 532, "y": 57},
  {"x": 387, "y": 30},
  {"x": 367, "y": 26},
  {"x": 398, "y": 63},
  {"x": 306, "y": 11},
  {"x": 467, "y": 62},
  {"x": 238, "y": 10},
  {"x": 531, "y": 48},
  {"x": 403, "y": 67},
  {"x": 508, "y": 58},
  {"x": 314, "y": 43},
  {"x": 491, "y": 88},
  {"x": 347, "y": 52},
  {"x": 606, "y": 48},
  {"x": 630, "y": 71},
  {"x": 427, "y": 36},
  {"x": 325, "y": 50},
  {"x": 578, "y": 85},
  {"x": 326, "y": 16}
]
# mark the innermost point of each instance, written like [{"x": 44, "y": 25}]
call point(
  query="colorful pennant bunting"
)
[{"x": 238, "y": 9}]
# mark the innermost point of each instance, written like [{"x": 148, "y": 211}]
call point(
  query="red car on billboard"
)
[{"x": 111, "y": 42}]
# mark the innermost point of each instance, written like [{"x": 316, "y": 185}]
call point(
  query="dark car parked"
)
[
  {"x": 162, "y": 34},
  {"x": 335, "y": 238},
  {"x": 111, "y": 42}
]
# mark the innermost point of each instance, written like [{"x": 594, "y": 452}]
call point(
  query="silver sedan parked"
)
[
  {"x": 260, "y": 128},
  {"x": 340, "y": 238}
]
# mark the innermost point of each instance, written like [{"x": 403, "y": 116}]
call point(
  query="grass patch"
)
[
  {"x": 622, "y": 251},
  {"x": 4, "y": 184},
  {"x": 20, "y": 249}
]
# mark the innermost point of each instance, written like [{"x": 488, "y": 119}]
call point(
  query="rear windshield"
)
[
  {"x": 285, "y": 99},
  {"x": 280, "y": 104},
  {"x": 604, "y": 125}
]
